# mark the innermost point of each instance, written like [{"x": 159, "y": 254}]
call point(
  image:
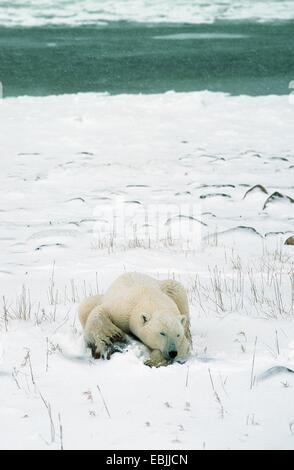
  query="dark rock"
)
[
  {"x": 185, "y": 193},
  {"x": 187, "y": 217},
  {"x": 283, "y": 159},
  {"x": 206, "y": 196},
  {"x": 133, "y": 202},
  {"x": 258, "y": 188},
  {"x": 76, "y": 199},
  {"x": 137, "y": 186},
  {"x": 276, "y": 196}
]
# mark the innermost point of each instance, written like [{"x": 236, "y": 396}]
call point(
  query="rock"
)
[
  {"x": 184, "y": 217},
  {"x": 290, "y": 241},
  {"x": 58, "y": 245},
  {"x": 273, "y": 371},
  {"x": 137, "y": 186},
  {"x": 134, "y": 202},
  {"x": 277, "y": 197},
  {"x": 257, "y": 189},
  {"x": 80, "y": 199},
  {"x": 244, "y": 229},
  {"x": 210, "y": 195},
  {"x": 283, "y": 159},
  {"x": 218, "y": 185},
  {"x": 185, "y": 193},
  {"x": 240, "y": 236}
]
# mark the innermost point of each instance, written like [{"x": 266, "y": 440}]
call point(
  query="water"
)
[
  {"x": 146, "y": 46},
  {"x": 234, "y": 57}
]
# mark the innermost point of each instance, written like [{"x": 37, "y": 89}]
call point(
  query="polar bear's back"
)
[
  {"x": 127, "y": 294},
  {"x": 130, "y": 281}
]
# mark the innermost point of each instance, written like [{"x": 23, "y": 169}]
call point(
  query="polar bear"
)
[{"x": 155, "y": 312}]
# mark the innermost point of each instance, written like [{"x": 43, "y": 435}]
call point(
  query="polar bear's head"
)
[{"x": 164, "y": 332}]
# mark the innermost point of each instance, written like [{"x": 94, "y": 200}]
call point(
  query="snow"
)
[
  {"x": 76, "y": 12},
  {"x": 66, "y": 162}
]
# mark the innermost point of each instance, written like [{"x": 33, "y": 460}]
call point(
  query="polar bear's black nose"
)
[{"x": 173, "y": 354}]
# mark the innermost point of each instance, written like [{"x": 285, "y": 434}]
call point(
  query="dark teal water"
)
[{"x": 126, "y": 58}]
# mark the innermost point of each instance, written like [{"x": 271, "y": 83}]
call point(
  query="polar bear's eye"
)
[
  {"x": 162, "y": 334},
  {"x": 178, "y": 336}
]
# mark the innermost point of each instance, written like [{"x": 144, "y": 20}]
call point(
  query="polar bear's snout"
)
[
  {"x": 173, "y": 354},
  {"x": 170, "y": 351}
]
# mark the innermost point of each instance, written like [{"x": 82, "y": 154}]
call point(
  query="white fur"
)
[{"x": 155, "y": 312}]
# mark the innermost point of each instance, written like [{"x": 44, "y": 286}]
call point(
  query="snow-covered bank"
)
[
  {"x": 56, "y": 12},
  {"x": 64, "y": 161}
]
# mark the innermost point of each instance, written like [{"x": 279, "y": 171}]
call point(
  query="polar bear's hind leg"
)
[
  {"x": 87, "y": 306},
  {"x": 176, "y": 291}
]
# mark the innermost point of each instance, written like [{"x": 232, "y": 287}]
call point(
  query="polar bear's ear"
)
[
  {"x": 183, "y": 320},
  {"x": 145, "y": 318}
]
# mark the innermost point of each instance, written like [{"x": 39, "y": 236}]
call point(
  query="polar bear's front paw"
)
[
  {"x": 100, "y": 349},
  {"x": 156, "y": 360},
  {"x": 151, "y": 363},
  {"x": 105, "y": 349},
  {"x": 96, "y": 354}
]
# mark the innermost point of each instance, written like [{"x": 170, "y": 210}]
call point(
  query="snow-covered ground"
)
[
  {"x": 65, "y": 162},
  {"x": 75, "y": 12}
]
